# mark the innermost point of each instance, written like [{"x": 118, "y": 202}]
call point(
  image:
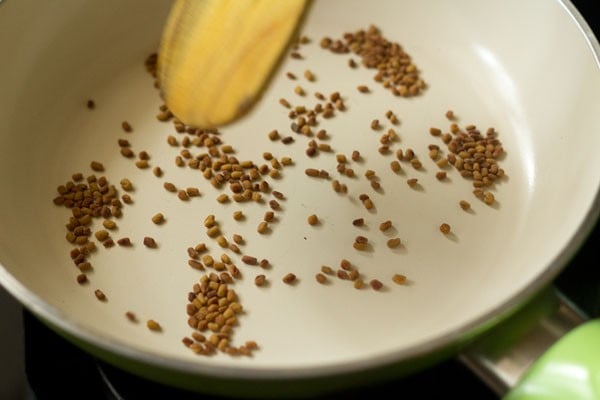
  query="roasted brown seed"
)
[
  {"x": 90, "y": 104},
  {"x": 412, "y": 182},
  {"x": 131, "y": 316},
  {"x": 124, "y": 241},
  {"x": 97, "y": 166},
  {"x": 399, "y": 279},
  {"x": 158, "y": 218},
  {"x": 363, "y": 88},
  {"x": 465, "y": 205},
  {"x": 100, "y": 295},
  {"x": 321, "y": 278},
  {"x": 82, "y": 279},
  {"x": 289, "y": 278},
  {"x": 260, "y": 280},
  {"x": 249, "y": 260},
  {"x": 445, "y": 228},
  {"x": 126, "y": 126},
  {"x": 313, "y": 219},
  {"x": 150, "y": 242},
  {"x": 376, "y": 284},
  {"x": 384, "y": 226},
  {"x": 327, "y": 270},
  {"x": 263, "y": 227},
  {"x": 358, "y": 222}
]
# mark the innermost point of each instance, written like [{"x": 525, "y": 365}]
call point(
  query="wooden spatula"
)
[{"x": 215, "y": 56}]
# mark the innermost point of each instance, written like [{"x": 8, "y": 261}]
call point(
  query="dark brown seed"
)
[
  {"x": 124, "y": 241},
  {"x": 260, "y": 280},
  {"x": 289, "y": 278},
  {"x": 358, "y": 222},
  {"x": 445, "y": 228},
  {"x": 376, "y": 284},
  {"x": 150, "y": 242},
  {"x": 90, "y": 104},
  {"x": 465, "y": 205},
  {"x": 100, "y": 295},
  {"x": 131, "y": 316},
  {"x": 249, "y": 260},
  {"x": 126, "y": 126},
  {"x": 393, "y": 243},
  {"x": 321, "y": 278},
  {"x": 82, "y": 279},
  {"x": 97, "y": 166}
]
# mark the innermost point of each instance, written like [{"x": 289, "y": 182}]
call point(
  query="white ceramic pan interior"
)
[{"x": 527, "y": 69}]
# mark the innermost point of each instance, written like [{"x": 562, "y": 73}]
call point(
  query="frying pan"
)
[{"x": 529, "y": 70}]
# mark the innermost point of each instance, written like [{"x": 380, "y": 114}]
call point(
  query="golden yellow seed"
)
[
  {"x": 488, "y": 198},
  {"x": 142, "y": 164},
  {"x": 153, "y": 325},
  {"x": 222, "y": 241},
  {"x": 223, "y": 198},
  {"x": 238, "y": 215},
  {"x": 101, "y": 235},
  {"x": 358, "y": 284},
  {"x": 368, "y": 204},
  {"x": 213, "y": 231},
  {"x": 395, "y": 166},
  {"x": 263, "y": 227},
  {"x": 465, "y": 205},
  {"x": 274, "y": 134},
  {"x": 285, "y": 103},
  {"x": 109, "y": 224},
  {"x": 327, "y": 270},
  {"x": 299, "y": 91},
  {"x": 158, "y": 218},
  {"x": 313, "y": 219},
  {"x": 393, "y": 243},
  {"x": 399, "y": 279},
  {"x": 208, "y": 260},
  {"x": 309, "y": 75},
  {"x": 363, "y": 88}
]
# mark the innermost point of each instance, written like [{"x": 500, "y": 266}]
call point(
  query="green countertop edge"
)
[{"x": 569, "y": 370}]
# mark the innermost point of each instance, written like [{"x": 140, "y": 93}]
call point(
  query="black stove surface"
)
[{"x": 56, "y": 369}]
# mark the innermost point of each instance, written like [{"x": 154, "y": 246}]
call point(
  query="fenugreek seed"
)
[
  {"x": 299, "y": 91},
  {"x": 416, "y": 164},
  {"x": 345, "y": 264},
  {"x": 285, "y": 103},
  {"x": 260, "y": 280},
  {"x": 101, "y": 235},
  {"x": 97, "y": 166},
  {"x": 313, "y": 219},
  {"x": 440, "y": 175},
  {"x": 274, "y": 204},
  {"x": 342, "y": 274},
  {"x": 192, "y": 192},
  {"x": 289, "y": 278},
  {"x": 309, "y": 75},
  {"x": 170, "y": 187},
  {"x": 90, "y": 104},
  {"x": 358, "y": 222},
  {"x": 376, "y": 284},
  {"x": 158, "y": 218},
  {"x": 131, "y": 316},
  {"x": 327, "y": 270},
  {"x": 263, "y": 227},
  {"x": 150, "y": 242},
  {"x": 274, "y": 134},
  {"x": 359, "y": 283},
  {"x": 412, "y": 182},
  {"x": 445, "y": 228},
  {"x": 238, "y": 239},
  {"x": 465, "y": 205},
  {"x": 126, "y": 126},
  {"x": 100, "y": 295},
  {"x": 363, "y": 88},
  {"x": 182, "y": 195},
  {"x": 142, "y": 164},
  {"x": 238, "y": 215},
  {"x": 399, "y": 279},
  {"x": 393, "y": 243},
  {"x": 384, "y": 226},
  {"x": 213, "y": 231},
  {"x": 321, "y": 278},
  {"x": 153, "y": 325},
  {"x": 109, "y": 224},
  {"x": 196, "y": 265},
  {"x": 435, "y": 131},
  {"x": 82, "y": 279},
  {"x": 375, "y": 124},
  {"x": 222, "y": 241},
  {"x": 488, "y": 198},
  {"x": 355, "y": 155},
  {"x": 223, "y": 198},
  {"x": 124, "y": 242},
  {"x": 290, "y": 75},
  {"x": 360, "y": 246},
  {"x": 450, "y": 115},
  {"x": 287, "y": 140},
  {"x": 249, "y": 260}
]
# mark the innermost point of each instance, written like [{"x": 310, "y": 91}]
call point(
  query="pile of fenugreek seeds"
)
[{"x": 213, "y": 305}]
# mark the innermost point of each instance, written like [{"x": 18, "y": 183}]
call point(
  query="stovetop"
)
[{"x": 37, "y": 364}]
